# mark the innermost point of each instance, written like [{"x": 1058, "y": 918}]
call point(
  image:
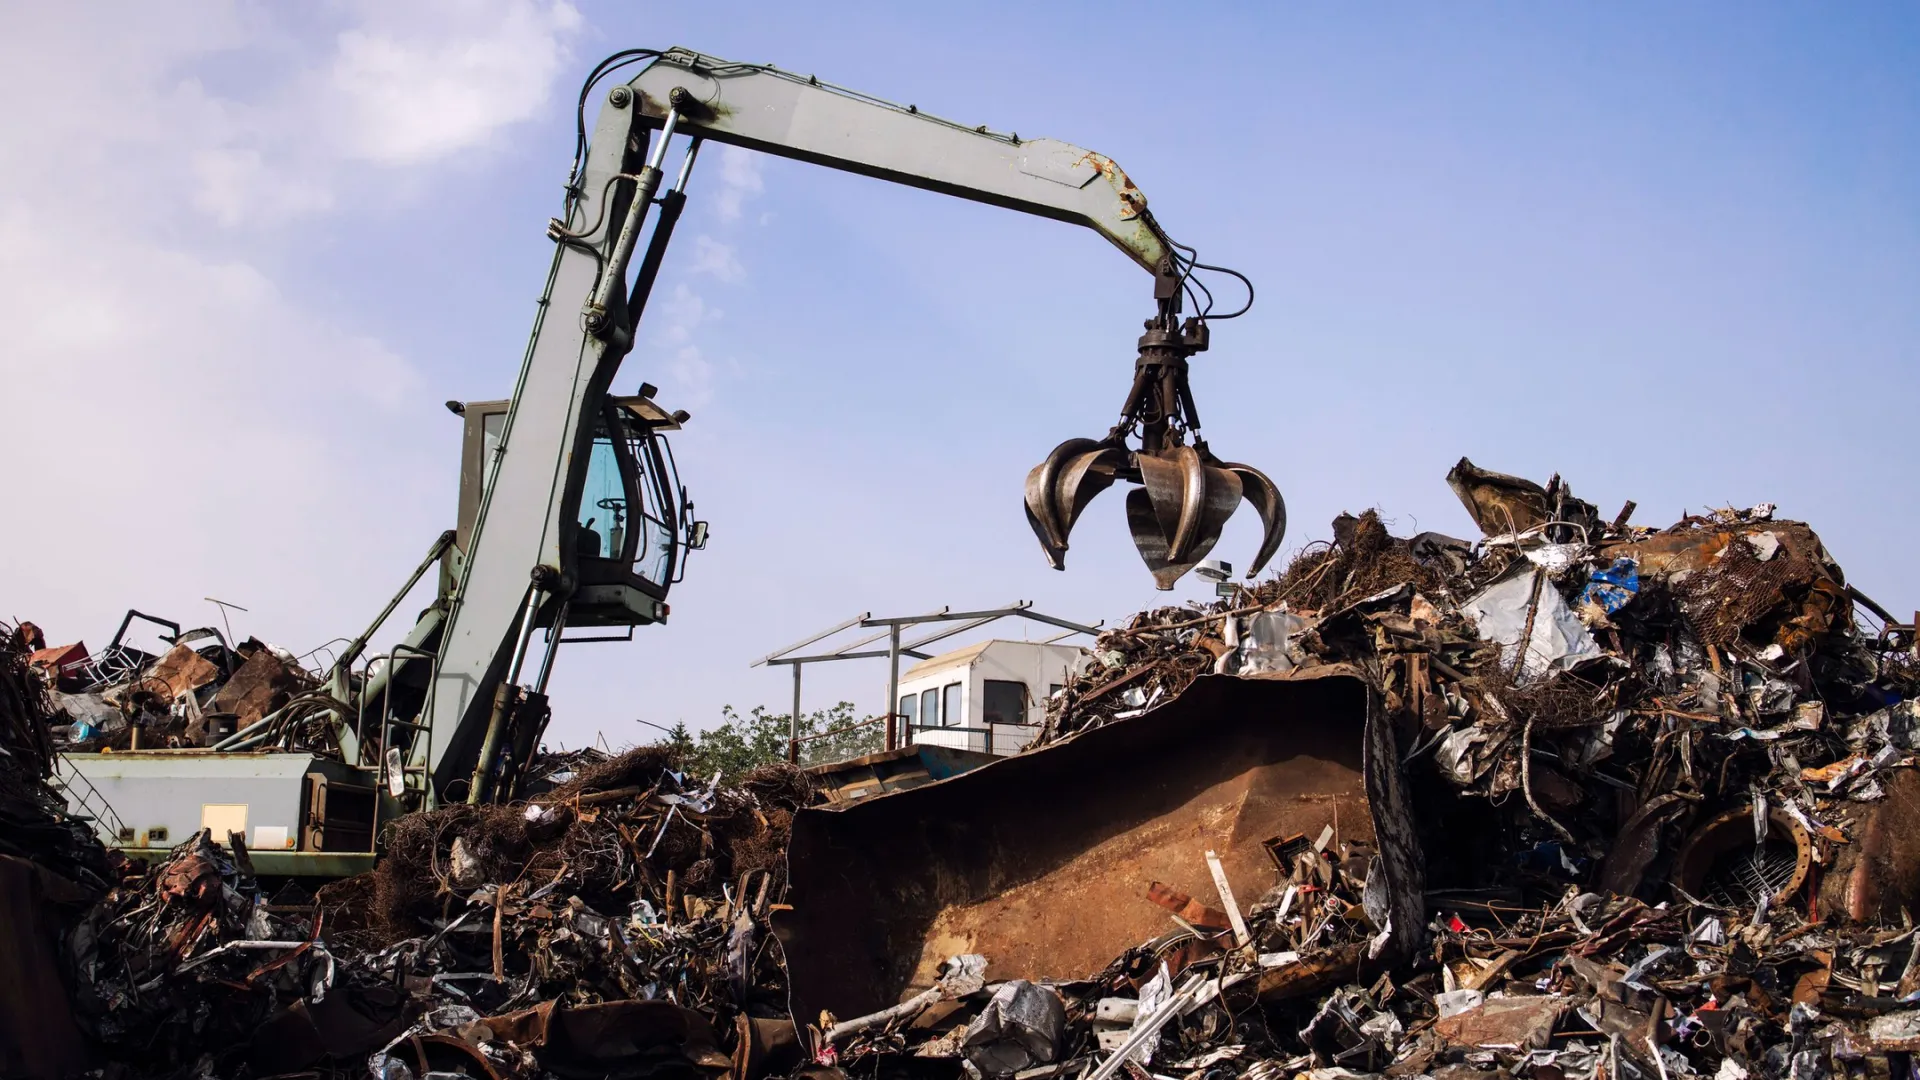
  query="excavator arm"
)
[
  {"x": 763, "y": 108},
  {"x": 533, "y": 557}
]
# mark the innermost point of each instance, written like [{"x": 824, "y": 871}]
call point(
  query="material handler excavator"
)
[{"x": 571, "y": 514}]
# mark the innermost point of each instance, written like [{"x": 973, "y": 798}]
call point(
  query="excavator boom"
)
[
  {"x": 537, "y": 555},
  {"x": 763, "y": 108}
]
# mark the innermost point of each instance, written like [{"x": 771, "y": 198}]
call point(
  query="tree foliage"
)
[{"x": 744, "y": 741}]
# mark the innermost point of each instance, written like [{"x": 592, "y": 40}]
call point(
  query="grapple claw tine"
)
[
  {"x": 1265, "y": 497},
  {"x": 1150, "y": 539},
  {"x": 1056, "y": 554},
  {"x": 1177, "y": 515},
  {"x": 1060, "y": 487},
  {"x": 1165, "y": 484}
]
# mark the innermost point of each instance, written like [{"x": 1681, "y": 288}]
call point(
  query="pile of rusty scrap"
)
[
  {"x": 1662, "y": 781},
  {"x": 198, "y": 692},
  {"x": 1574, "y": 801},
  {"x": 610, "y": 925},
  {"x": 34, "y": 822}
]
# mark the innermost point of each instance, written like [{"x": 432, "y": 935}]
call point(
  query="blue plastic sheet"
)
[{"x": 1613, "y": 588}]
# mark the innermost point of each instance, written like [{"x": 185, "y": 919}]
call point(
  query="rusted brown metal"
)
[
  {"x": 1505, "y": 505},
  {"x": 1878, "y": 877},
  {"x": 763, "y": 1046},
  {"x": 1771, "y": 582},
  {"x": 1042, "y": 862},
  {"x": 1525, "y": 1022},
  {"x": 571, "y": 1041},
  {"x": 37, "y": 1032},
  {"x": 1724, "y": 848}
]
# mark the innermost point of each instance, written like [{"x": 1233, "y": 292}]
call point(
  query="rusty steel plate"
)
[{"x": 1043, "y": 862}]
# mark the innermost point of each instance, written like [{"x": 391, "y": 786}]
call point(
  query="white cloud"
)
[
  {"x": 712, "y": 257},
  {"x": 675, "y": 319},
  {"x": 412, "y": 92},
  {"x": 395, "y": 86},
  {"x": 192, "y": 426},
  {"x": 740, "y": 181}
]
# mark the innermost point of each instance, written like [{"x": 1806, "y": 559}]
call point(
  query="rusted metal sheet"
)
[
  {"x": 1044, "y": 862},
  {"x": 344, "y": 1026},
  {"x": 1878, "y": 878},
  {"x": 61, "y": 661},
  {"x": 38, "y": 1037},
  {"x": 612, "y": 1037},
  {"x": 180, "y": 671},
  {"x": 1506, "y": 505},
  {"x": 1524, "y": 1023},
  {"x": 257, "y": 688},
  {"x": 1769, "y": 581}
]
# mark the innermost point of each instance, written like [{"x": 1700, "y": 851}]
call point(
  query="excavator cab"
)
[{"x": 632, "y": 521}]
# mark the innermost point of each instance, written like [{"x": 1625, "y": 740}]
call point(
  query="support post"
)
[
  {"x": 503, "y": 698},
  {"x": 793, "y": 722},
  {"x": 893, "y": 687}
]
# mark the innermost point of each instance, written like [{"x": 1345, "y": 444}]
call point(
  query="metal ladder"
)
[{"x": 96, "y": 809}]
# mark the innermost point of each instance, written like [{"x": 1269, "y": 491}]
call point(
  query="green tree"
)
[{"x": 741, "y": 742}]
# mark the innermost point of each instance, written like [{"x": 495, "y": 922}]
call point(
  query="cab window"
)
[
  {"x": 1004, "y": 701},
  {"x": 603, "y": 504}
]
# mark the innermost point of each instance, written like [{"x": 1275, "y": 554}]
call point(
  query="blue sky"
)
[{"x": 246, "y": 252}]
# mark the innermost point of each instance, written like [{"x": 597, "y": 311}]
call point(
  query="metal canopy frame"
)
[{"x": 891, "y": 628}]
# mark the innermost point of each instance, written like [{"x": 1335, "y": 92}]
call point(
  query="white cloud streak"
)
[
  {"x": 195, "y": 427},
  {"x": 676, "y": 318},
  {"x": 740, "y": 181},
  {"x": 716, "y": 259},
  {"x": 401, "y": 90}
]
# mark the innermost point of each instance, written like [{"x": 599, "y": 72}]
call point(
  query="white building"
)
[{"x": 989, "y": 697}]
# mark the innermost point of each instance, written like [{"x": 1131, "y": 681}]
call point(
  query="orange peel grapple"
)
[{"x": 1186, "y": 494}]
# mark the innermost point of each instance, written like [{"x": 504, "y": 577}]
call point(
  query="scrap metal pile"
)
[
  {"x": 197, "y": 693},
  {"x": 1663, "y": 783},
  {"x": 1577, "y": 800},
  {"x": 34, "y": 824},
  {"x": 612, "y": 923}
]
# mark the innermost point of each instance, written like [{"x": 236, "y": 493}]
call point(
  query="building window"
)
[
  {"x": 907, "y": 703},
  {"x": 1054, "y": 688},
  {"x": 950, "y": 712},
  {"x": 929, "y": 708},
  {"x": 1004, "y": 702}
]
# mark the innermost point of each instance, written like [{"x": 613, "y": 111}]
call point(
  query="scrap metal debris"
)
[
  {"x": 199, "y": 692},
  {"x": 1596, "y": 802}
]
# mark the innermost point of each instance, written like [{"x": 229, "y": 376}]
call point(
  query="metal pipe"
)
[
  {"x": 540, "y": 684},
  {"x": 535, "y": 596},
  {"x": 855, "y": 621},
  {"x": 352, "y": 652},
  {"x": 386, "y": 736},
  {"x": 793, "y": 722},
  {"x": 503, "y": 700},
  {"x": 686, "y": 165},
  {"x": 893, "y": 685},
  {"x": 646, "y": 184},
  {"x": 232, "y": 741},
  {"x": 671, "y": 204},
  {"x": 553, "y": 646}
]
